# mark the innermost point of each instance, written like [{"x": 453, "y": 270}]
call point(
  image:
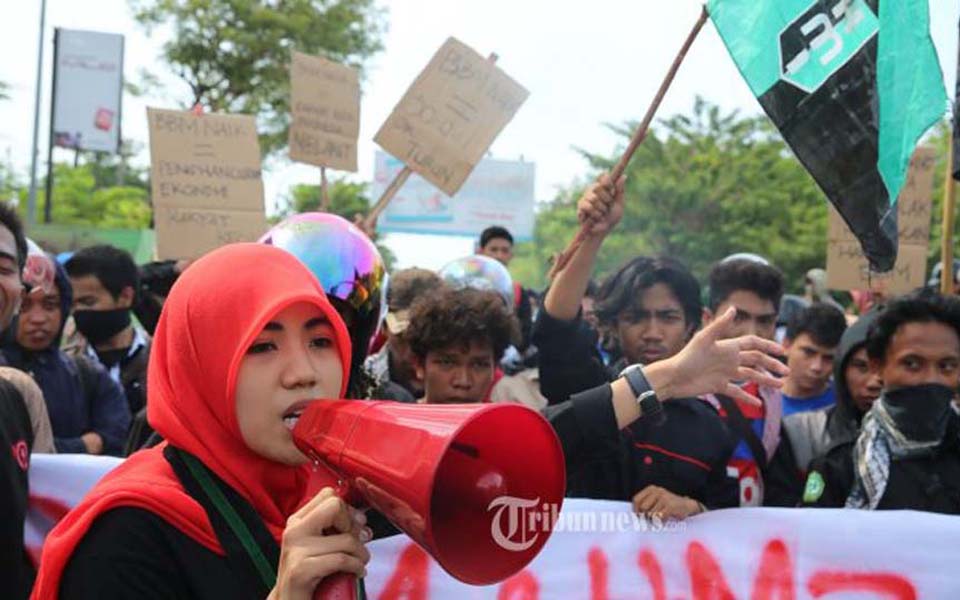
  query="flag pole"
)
[
  {"x": 949, "y": 193},
  {"x": 946, "y": 240},
  {"x": 564, "y": 257}
]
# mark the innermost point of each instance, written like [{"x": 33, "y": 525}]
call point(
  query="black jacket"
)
[
  {"x": 687, "y": 454},
  {"x": 813, "y": 434},
  {"x": 133, "y": 553},
  {"x": 569, "y": 360},
  {"x": 930, "y": 483},
  {"x": 16, "y": 442}
]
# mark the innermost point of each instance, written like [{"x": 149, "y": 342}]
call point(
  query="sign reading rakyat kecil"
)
[
  {"x": 450, "y": 115},
  {"x": 847, "y": 267},
  {"x": 206, "y": 182},
  {"x": 325, "y": 111}
]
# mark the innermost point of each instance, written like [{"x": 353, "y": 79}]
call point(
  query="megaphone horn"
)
[{"x": 471, "y": 483}]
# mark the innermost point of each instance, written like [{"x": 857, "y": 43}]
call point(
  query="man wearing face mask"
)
[
  {"x": 104, "y": 281},
  {"x": 907, "y": 455}
]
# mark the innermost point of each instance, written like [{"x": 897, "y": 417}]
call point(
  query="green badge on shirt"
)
[{"x": 814, "y": 488}]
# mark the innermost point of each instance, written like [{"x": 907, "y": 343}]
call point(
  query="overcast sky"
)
[{"x": 585, "y": 64}]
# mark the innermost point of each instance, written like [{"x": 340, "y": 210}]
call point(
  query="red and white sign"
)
[{"x": 601, "y": 551}]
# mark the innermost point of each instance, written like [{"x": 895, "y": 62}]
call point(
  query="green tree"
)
[
  {"x": 114, "y": 169},
  {"x": 699, "y": 188},
  {"x": 347, "y": 199},
  {"x": 9, "y": 181},
  {"x": 78, "y": 200},
  {"x": 234, "y": 54}
]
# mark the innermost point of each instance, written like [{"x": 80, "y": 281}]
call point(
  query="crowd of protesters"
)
[{"x": 664, "y": 392}]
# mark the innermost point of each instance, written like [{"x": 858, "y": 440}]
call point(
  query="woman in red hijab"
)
[{"x": 246, "y": 339}]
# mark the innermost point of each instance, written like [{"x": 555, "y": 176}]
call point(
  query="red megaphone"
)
[{"x": 478, "y": 486}]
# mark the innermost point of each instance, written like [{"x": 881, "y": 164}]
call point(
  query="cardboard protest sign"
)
[
  {"x": 847, "y": 267},
  {"x": 325, "y": 110},
  {"x": 206, "y": 181},
  {"x": 450, "y": 115}
]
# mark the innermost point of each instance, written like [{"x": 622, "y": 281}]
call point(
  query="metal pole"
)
[
  {"x": 32, "y": 199},
  {"x": 48, "y": 201}
]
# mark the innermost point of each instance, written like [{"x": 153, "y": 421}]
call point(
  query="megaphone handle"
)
[{"x": 338, "y": 587}]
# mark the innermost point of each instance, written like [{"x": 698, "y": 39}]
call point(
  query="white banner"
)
[
  {"x": 497, "y": 192},
  {"x": 88, "y": 85},
  {"x": 601, "y": 551}
]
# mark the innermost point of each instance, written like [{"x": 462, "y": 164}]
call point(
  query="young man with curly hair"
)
[{"x": 457, "y": 338}]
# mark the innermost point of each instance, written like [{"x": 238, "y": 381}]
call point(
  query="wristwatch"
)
[{"x": 650, "y": 406}]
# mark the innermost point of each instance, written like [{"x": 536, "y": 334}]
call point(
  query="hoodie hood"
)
[
  {"x": 42, "y": 271},
  {"x": 844, "y": 419}
]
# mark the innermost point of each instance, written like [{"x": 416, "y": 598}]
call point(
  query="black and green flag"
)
[{"x": 851, "y": 85}]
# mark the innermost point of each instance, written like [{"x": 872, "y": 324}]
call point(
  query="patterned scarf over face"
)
[{"x": 908, "y": 422}]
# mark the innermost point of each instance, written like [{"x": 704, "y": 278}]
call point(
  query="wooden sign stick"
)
[
  {"x": 399, "y": 179},
  {"x": 946, "y": 239},
  {"x": 564, "y": 257}
]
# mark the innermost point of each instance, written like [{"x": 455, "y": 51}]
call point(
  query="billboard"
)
[
  {"x": 497, "y": 192},
  {"x": 87, "y": 90}
]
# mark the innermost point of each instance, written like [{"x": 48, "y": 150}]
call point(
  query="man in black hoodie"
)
[
  {"x": 816, "y": 433},
  {"x": 87, "y": 409},
  {"x": 907, "y": 454}
]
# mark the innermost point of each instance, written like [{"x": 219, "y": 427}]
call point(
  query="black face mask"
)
[
  {"x": 99, "y": 326},
  {"x": 921, "y": 412}
]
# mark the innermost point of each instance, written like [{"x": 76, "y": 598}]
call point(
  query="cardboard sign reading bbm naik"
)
[
  {"x": 325, "y": 110},
  {"x": 450, "y": 115},
  {"x": 847, "y": 267},
  {"x": 207, "y": 189}
]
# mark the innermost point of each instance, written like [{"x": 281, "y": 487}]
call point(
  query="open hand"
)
[{"x": 711, "y": 363}]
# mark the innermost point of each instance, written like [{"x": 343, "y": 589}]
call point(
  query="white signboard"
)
[
  {"x": 601, "y": 551},
  {"x": 497, "y": 192},
  {"x": 88, "y": 86}
]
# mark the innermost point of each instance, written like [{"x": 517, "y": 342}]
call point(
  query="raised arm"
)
[{"x": 602, "y": 206}]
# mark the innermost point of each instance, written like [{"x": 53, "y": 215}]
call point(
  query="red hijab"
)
[{"x": 213, "y": 313}]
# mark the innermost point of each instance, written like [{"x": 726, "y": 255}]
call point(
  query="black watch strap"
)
[
  {"x": 637, "y": 380},
  {"x": 651, "y": 409}
]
